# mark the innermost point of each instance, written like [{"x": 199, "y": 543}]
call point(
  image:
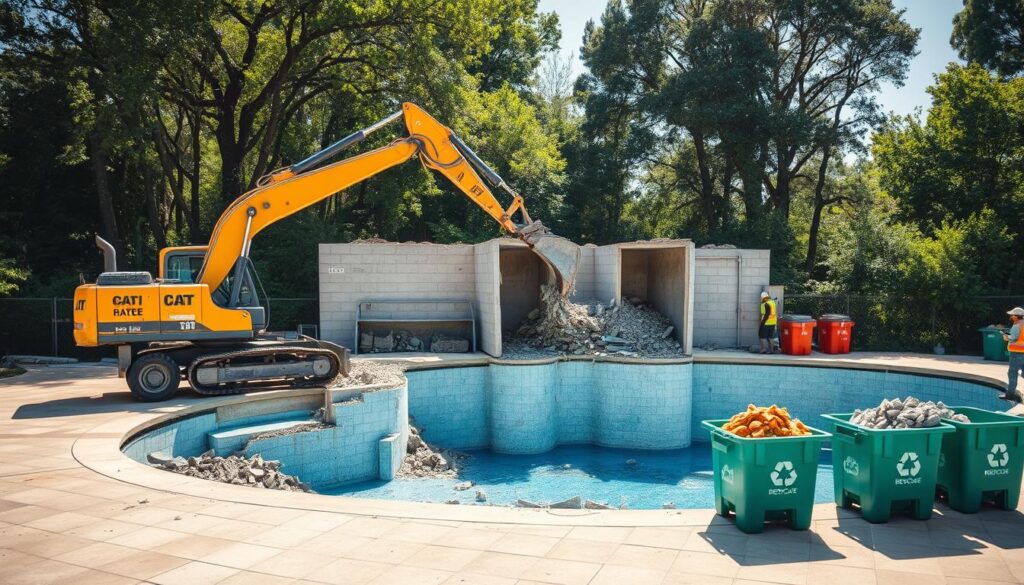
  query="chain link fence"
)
[
  {"x": 898, "y": 323},
  {"x": 44, "y": 326}
]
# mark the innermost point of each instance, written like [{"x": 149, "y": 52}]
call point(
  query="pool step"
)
[{"x": 227, "y": 441}]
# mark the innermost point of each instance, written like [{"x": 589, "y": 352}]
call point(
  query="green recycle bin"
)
[
  {"x": 982, "y": 461},
  {"x": 765, "y": 479},
  {"x": 992, "y": 344},
  {"x": 880, "y": 469}
]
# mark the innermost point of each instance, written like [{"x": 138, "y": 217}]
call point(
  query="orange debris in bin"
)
[{"x": 759, "y": 422}]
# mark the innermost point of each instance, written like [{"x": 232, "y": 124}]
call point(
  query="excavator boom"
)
[{"x": 303, "y": 184}]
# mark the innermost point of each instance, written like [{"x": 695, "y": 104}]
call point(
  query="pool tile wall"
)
[
  {"x": 186, "y": 437},
  {"x": 532, "y": 408},
  {"x": 347, "y": 452}
]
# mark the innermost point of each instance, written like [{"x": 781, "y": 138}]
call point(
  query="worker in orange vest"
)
[
  {"x": 766, "y": 328},
  {"x": 1015, "y": 344}
]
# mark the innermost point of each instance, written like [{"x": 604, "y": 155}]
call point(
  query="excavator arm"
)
[{"x": 305, "y": 183}]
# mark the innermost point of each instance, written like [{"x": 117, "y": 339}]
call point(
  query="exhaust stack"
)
[{"x": 109, "y": 254}]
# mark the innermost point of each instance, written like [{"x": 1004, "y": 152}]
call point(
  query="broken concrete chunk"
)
[{"x": 462, "y": 486}]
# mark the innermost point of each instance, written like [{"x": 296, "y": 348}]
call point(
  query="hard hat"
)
[
  {"x": 765, "y": 295},
  {"x": 1016, "y": 311}
]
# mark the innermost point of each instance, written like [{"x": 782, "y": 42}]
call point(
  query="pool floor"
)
[{"x": 618, "y": 477}]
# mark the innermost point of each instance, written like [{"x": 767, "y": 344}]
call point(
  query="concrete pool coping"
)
[{"x": 100, "y": 449}]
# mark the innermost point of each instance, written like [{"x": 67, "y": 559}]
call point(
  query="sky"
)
[{"x": 933, "y": 17}]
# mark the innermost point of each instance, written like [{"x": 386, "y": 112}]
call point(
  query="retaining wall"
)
[{"x": 726, "y": 295}]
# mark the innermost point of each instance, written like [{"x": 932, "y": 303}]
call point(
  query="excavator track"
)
[{"x": 237, "y": 362}]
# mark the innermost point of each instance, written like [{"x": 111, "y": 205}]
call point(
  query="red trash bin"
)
[
  {"x": 796, "y": 333},
  {"x": 834, "y": 333}
]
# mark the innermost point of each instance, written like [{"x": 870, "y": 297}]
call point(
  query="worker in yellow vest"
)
[
  {"x": 769, "y": 317},
  {"x": 1015, "y": 343}
]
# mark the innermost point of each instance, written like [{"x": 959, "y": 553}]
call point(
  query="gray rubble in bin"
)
[
  {"x": 909, "y": 413},
  {"x": 628, "y": 328},
  {"x": 234, "y": 469},
  {"x": 401, "y": 340}
]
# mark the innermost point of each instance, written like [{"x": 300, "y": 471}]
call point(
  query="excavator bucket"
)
[{"x": 560, "y": 254}]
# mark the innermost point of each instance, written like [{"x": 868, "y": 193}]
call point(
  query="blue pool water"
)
[{"x": 681, "y": 476}]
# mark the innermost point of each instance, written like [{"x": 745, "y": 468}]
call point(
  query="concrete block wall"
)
[
  {"x": 727, "y": 287},
  {"x": 585, "y": 274},
  {"x": 607, "y": 274},
  {"x": 355, "y": 272},
  {"x": 487, "y": 279}
]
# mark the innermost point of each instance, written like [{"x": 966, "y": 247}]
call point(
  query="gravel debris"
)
[
  {"x": 909, "y": 413},
  {"x": 234, "y": 469},
  {"x": 365, "y": 372},
  {"x": 630, "y": 328}
]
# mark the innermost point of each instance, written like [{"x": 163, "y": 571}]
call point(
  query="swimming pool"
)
[
  {"x": 632, "y": 478},
  {"x": 524, "y": 423}
]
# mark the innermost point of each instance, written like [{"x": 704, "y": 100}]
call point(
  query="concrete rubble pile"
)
[
  {"x": 910, "y": 413},
  {"x": 234, "y": 469},
  {"x": 422, "y": 460},
  {"x": 366, "y": 372},
  {"x": 629, "y": 328},
  {"x": 381, "y": 342}
]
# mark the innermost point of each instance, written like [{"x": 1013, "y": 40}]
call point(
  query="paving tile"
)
[
  {"x": 250, "y": 578},
  {"x": 976, "y": 567},
  {"x": 317, "y": 521},
  {"x": 562, "y": 572},
  {"x": 194, "y": 573},
  {"x": 442, "y": 557},
  {"x": 694, "y": 579},
  {"x": 644, "y": 556},
  {"x": 103, "y": 530},
  {"x": 473, "y": 538},
  {"x": 147, "y": 538},
  {"x": 675, "y": 537},
  {"x": 886, "y": 577},
  {"x": 384, "y": 551},
  {"x": 591, "y": 551},
  {"x": 788, "y": 573},
  {"x": 61, "y": 521},
  {"x": 349, "y": 572},
  {"x": 334, "y": 544},
  {"x": 600, "y": 533},
  {"x": 524, "y": 544},
  {"x": 93, "y": 577},
  {"x": 279, "y": 536},
  {"x": 619, "y": 575},
  {"x": 837, "y": 575},
  {"x": 240, "y": 555},
  {"x": 293, "y": 563},
  {"x": 44, "y": 573},
  {"x": 418, "y": 532},
  {"x": 96, "y": 555},
  {"x": 191, "y": 546},
  {"x": 401, "y": 575},
  {"x": 699, "y": 563},
  {"x": 500, "y": 564},
  {"x": 143, "y": 565},
  {"x": 477, "y": 579}
]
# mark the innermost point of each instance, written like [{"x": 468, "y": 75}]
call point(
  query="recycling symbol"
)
[
  {"x": 727, "y": 474},
  {"x": 998, "y": 457},
  {"x": 908, "y": 465},
  {"x": 851, "y": 466},
  {"x": 784, "y": 474}
]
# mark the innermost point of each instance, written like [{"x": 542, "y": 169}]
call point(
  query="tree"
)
[
  {"x": 966, "y": 157},
  {"x": 991, "y": 32}
]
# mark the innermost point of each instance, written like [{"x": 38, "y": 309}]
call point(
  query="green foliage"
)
[
  {"x": 966, "y": 157},
  {"x": 991, "y": 32}
]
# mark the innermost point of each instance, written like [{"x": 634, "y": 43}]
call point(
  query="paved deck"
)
[{"x": 73, "y": 510}]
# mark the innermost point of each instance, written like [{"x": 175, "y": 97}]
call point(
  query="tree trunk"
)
[
  {"x": 98, "y": 160},
  {"x": 707, "y": 182},
  {"x": 819, "y": 206}
]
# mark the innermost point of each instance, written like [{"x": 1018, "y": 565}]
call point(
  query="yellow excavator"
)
[{"x": 202, "y": 318}]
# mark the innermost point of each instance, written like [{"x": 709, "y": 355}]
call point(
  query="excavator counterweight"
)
[{"x": 203, "y": 319}]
